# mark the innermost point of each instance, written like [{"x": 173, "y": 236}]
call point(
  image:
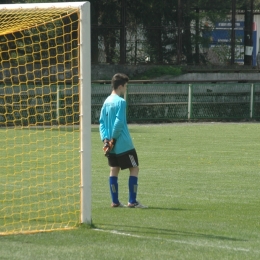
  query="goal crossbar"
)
[
  {"x": 39, "y": 14},
  {"x": 43, "y": 5}
]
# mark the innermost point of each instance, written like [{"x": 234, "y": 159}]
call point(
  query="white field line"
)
[{"x": 177, "y": 241}]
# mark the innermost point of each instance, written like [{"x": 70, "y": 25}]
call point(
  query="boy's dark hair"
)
[{"x": 119, "y": 79}]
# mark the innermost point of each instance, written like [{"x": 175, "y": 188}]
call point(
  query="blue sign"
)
[{"x": 221, "y": 34}]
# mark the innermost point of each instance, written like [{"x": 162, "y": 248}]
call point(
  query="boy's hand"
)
[{"x": 108, "y": 146}]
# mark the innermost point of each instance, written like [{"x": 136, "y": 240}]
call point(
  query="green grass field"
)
[
  {"x": 39, "y": 178},
  {"x": 201, "y": 183}
]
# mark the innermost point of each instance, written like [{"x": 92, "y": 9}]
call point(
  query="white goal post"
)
[
  {"x": 85, "y": 104},
  {"x": 83, "y": 85}
]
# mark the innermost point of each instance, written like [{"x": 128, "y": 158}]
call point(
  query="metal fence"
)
[
  {"x": 59, "y": 104},
  {"x": 171, "y": 102},
  {"x": 173, "y": 32}
]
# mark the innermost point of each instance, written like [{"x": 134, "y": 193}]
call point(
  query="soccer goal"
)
[{"x": 45, "y": 117}]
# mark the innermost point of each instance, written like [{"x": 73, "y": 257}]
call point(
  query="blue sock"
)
[
  {"x": 132, "y": 185},
  {"x": 113, "y": 189}
]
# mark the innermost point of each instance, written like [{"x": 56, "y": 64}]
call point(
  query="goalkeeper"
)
[{"x": 118, "y": 146}]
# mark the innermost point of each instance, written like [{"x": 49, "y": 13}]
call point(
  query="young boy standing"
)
[{"x": 118, "y": 145}]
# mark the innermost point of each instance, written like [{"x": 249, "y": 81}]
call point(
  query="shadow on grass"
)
[
  {"x": 176, "y": 209},
  {"x": 141, "y": 231}
]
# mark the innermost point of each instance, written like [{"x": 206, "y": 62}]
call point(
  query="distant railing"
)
[{"x": 154, "y": 101}]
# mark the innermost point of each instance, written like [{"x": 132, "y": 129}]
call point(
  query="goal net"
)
[{"x": 45, "y": 181}]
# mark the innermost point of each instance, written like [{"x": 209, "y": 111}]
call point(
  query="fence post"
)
[
  {"x": 190, "y": 102},
  {"x": 252, "y": 101}
]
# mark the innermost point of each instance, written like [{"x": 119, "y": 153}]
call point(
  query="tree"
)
[
  {"x": 155, "y": 19},
  {"x": 197, "y": 17},
  {"x": 157, "y": 29}
]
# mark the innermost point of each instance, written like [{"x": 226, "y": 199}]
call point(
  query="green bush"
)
[{"x": 158, "y": 72}]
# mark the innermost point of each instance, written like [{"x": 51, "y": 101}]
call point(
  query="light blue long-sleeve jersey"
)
[{"x": 113, "y": 124}]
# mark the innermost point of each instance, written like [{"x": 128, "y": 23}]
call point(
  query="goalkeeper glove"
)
[{"x": 108, "y": 146}]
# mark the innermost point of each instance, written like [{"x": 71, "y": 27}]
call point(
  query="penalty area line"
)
[{"x": 115, "y": 232}]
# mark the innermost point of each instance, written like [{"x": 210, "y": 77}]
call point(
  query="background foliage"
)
[{"x": 157, "y": 32}]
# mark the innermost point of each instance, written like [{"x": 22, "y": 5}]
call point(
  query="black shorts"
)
[{"x": 124, "y": 161}]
